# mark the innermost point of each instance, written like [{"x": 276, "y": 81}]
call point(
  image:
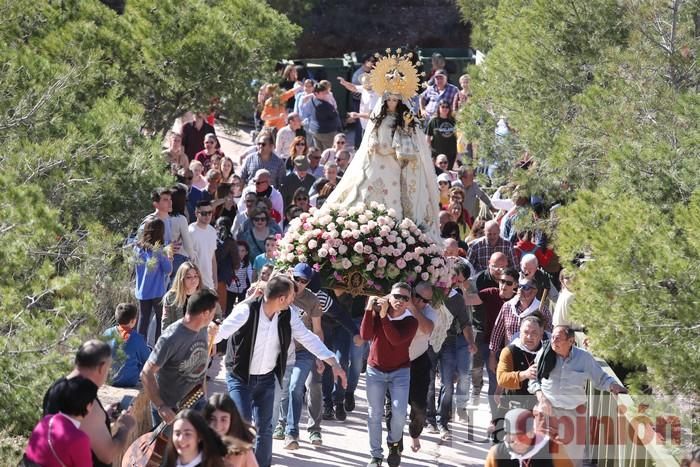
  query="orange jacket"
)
[{"x": 276, "y": 115}]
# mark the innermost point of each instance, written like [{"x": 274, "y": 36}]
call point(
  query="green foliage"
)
[
  {"x": 603, "y": 94},
  {"x": 478, "y": 13},
  {"x": 78, "y": 85}
]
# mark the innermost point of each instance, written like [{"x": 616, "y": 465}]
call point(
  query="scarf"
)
[
  {"x": 124, "y": 332},
  {"x": 547, "y": 362},
  {"x": 534, "y": 306},
  {"x": 540, "y": 442}
]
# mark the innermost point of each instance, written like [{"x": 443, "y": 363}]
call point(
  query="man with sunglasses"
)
[
  {"x": 390, "y": 328},
  {"x": 261, "y": 185},
  {"x": 204, "y": 241},
  {"x": 264, "y": 158}
]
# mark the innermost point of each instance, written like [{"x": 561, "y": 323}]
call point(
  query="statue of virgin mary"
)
[{"x": 393, "y": 166}]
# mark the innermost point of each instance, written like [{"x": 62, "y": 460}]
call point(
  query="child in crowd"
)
[
  {"x": 242, "y": 278},
  {"x": 265, "y": 258},
  {"x": 129, "y": 348}
]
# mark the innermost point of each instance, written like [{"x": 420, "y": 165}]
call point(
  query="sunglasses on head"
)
[{"x": 403, "y": 298}]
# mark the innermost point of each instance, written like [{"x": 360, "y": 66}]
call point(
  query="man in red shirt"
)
[{"x": 390, "y": 328}]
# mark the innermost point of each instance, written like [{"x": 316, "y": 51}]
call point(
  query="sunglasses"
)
[
  {"x": 341, "y": 142},
  {"x": 259, "y": 219},
  {"x": 300, "y": 144},
  {"x": 507, "y": 282},
  {"x": 263, "y": 182},
  {"x": 423, "y": 299},
  {"x": 302, "y": 198},
  {"x": 205, "y": 213},
  {"x": 301, "y": 280},
  {"x": 209, "y": 142},
  {"x": 403, "y": 298}
]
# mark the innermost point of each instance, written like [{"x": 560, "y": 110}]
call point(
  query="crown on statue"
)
[{"x": 395, "y": 74}]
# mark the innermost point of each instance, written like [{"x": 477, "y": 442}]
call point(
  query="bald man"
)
[
  {"x": 529, "y": 268},
  {"x": 481, "y": 249}
]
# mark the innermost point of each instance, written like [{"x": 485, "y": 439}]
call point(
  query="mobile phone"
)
[{"x": 124, "y": 404}]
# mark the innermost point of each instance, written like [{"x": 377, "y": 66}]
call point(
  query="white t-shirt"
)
[
  {"x": 420, "y": 342},
  {"x": 204, "y": 241}
]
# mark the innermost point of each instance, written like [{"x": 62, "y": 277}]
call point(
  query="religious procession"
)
[{"x": 346, "y": 285}]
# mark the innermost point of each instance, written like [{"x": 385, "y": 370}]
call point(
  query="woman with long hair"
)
[
  {"x": 154, "y": 263},
  {"x": 242, "y": 277},
  {"x": 228, "y": 170},
  {"x": 225, "y": 206},
  {"x": 224, "y": 418},
  {"x": 193, "y": 443},
  {"x": 227, "y": 260},
  {"x": 187, "y": 281},
  {"x": 393, "y": 166},
  {"x": 299, "y": 147}
]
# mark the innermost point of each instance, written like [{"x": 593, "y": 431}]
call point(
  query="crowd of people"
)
[{"x": 206, "y": 284}]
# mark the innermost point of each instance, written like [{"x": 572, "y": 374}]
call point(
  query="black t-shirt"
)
[
  {"x": 444, "y": 137},
  {"x": 483, "y": 280}
]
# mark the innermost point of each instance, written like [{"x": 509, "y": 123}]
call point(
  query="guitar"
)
[{"x": 148, "y": 449}]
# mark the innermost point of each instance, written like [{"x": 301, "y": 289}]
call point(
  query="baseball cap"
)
[
  {"x": 525, "y": 283},
  {"x": 301, "y": 163},
  {"x": 441, "y": 72},
  {"x": 304, "y": 271}
]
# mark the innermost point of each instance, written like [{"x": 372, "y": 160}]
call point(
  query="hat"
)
[
  {"x": 443, "y": 177},
  {"x": 525, "y": 283},
  {"x": 304, "y": 271},
  {"x": 519, "y": 421},
  {"x": 441, "y": 72},
  {"x": 301, "y": 163}
]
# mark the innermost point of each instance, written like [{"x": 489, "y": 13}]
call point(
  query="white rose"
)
[
  {"x": 333, "y": 252},
  {"x": 378, "y": 241},
  {"x": 425, "y": 276},
  {"x": 312, "y": 244},
  {"x": 322, "y": 253},
  {"x": 346, "y": 263},
  {"x": 342, "y": 249},
  {"x": 362, "y": 219},
  {"x": 290, "y": 257},
  {"x": 358, "y": 248}
]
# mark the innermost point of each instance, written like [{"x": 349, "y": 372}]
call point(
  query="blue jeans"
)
[
  {"x": 281, "y": 405},
  {"x": 398, "y": 383},
  {"x": 358, "y": 356},
  {"x": 254, "y": 401},
  {"x": 305, "y": 364},
  {"x": 337, "y": 339},
  {"x": 455, "y": 361}
]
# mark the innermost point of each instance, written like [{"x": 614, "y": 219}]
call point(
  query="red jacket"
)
[{"x": 389, "y": 340}]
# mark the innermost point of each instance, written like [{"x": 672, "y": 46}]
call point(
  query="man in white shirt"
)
[
  {"x": 260, "y": 332},
  {"x": 204, "y": 242},
  {"x": 286, "y": 135}
]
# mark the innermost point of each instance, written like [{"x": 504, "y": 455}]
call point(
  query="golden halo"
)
[{"x": 395, "y": 74}]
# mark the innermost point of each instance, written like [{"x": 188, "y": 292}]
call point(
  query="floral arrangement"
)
[{"x": 363, "y": 249}]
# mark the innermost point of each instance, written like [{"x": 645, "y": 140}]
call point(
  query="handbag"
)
[{"x": 53, "y": 451}]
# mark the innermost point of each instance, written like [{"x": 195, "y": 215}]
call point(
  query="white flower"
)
[
  {"x": 333, "y": 234},
  {"x": 400, "y": 263},
  {"x": 302, "y": 258},
  {"x": 378, "y": 241},
  {"x": 374, "y": 205},
  {"x": 372, "y": 225},
  {"x": 369, "y": 214},
  {"x": 331, "y": 227},
  {"x": 419, "y": 251},
  {"x": 347, "y": 264},
  {"x": 355, "y": 234},
  {"x": 418, "y": 269},
  {"x": 340, "y": 220},
  {"x": 358, "y": 247},
  {"x": 370, "y": 266},
  {"x": 364, "y": 229},
  {"x": 425, "y": 276},
  {"x": 322, "y": 253},
  {"x": 391, "y": 238},
  {"x": 391, "y": 212},
  {"x": 362, "y": 219},
  {"x": 312, "y": 244},
  {"x": 333, "y": 252},
  {"x": 367, "y": 249},
  {"x": 345, "y": 234},
  {"x": 411, "y": 241},
  {"x": 342, "y": 249},
  {"x": 289, "y": 247},
  {"x": 290, "y": 257}
]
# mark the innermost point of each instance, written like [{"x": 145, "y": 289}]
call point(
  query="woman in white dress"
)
[{"x": 393, "y": 166}]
